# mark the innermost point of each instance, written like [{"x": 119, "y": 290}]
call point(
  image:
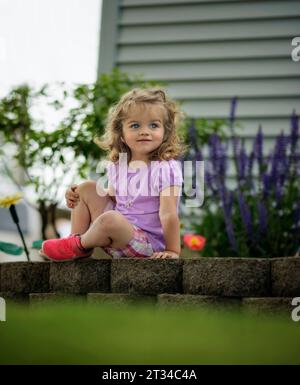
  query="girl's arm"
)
[
  {"x": 169, "y": 220},
  {"x": 112, "y": 193}
]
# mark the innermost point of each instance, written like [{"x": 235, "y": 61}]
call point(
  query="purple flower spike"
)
[
  {"x": 262, "y": 215},
  {"x": 258, "y": 147},
  {"x": 233, "y": 105},
  {"x": 230, "y": 202},
  {"x": 242, "y": 162},
  {"x": 235, "y": 146},
  {"x": 266, "y": 183},
  {"x": 245, "y": 214},
  {"x": 217, "y": 156},
  {"x": 223, "y": 196},
  {"x": 280, "y": 161},
  {"x": 198, "y": 155},
  {"x": 294, "y": 126},
  {"x": 294, "y": 134},
  {"x": 227, "y": 208},
  {"x": 226, "y": 199},
  {"x": 230, "y": 234},
  {"x": 208, "y": 180},
  {"x": 250, "y": 164}
]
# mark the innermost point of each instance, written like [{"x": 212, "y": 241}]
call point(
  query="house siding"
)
[{"x": 211, "y": 51}]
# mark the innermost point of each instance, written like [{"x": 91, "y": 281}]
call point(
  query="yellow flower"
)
[{"x": 9, "y": 200}]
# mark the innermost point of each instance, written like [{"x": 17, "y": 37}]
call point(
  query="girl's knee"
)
[
  {"x": 86, "y": 186},
  {"x": 109, "y": 220},
  {"x": 93, "y": 187}
]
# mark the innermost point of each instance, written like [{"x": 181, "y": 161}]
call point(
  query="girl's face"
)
[{"x": 143, "y": 130}]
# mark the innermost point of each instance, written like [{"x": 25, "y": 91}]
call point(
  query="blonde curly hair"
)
[{"x": 172, "y": 145}]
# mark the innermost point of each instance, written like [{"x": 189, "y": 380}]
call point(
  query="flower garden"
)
[
  {"x": 257, "y": 214},
  {"x": 239, "y": 249}
]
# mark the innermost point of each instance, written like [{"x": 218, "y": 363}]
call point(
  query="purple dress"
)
[{"x": 137, "y": 194}]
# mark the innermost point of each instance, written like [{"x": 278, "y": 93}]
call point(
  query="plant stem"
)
[
  {"x": 24, "y": 244},
  {"x": 15, "y": 217}
]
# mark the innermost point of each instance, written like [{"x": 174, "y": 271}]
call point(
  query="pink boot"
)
[{"x": 64, "y": 249}]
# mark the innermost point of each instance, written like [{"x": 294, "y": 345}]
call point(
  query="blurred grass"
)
[{"x": 93, "y": 334}]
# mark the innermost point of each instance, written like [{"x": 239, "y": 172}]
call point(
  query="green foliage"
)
[
  {"x": 40, "y": 153},
  {"x": 203, "y": 129},
  {"x": 52, "y": 157},
  {"x": 211, "y": 225},
  {"x": 49, "y": 157},
  {"x": 15, "y": 120}
]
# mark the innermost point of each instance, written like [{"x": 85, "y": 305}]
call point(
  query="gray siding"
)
[{"x": 210, "y": 51}]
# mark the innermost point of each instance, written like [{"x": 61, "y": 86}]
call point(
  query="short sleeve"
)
[{"x": 170, "y": 174}]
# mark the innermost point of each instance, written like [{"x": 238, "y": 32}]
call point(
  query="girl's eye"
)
[{"x": 136, "y": 125}]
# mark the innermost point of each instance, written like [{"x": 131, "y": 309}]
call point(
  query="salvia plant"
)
[{"x": 259, "y": 214}]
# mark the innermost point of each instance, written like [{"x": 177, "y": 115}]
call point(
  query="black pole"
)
[{"x": 15, "y": 217}]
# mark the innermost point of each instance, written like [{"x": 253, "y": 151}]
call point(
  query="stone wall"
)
[{"x": 257, "y": 285}]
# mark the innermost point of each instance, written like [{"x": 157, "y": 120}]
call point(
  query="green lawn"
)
[{"x": 94, "y": 334}]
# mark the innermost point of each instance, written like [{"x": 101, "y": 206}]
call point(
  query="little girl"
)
[{"x": 140, "y": 135}]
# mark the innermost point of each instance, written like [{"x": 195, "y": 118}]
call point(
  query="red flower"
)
[{"x": 194, "y": 241}]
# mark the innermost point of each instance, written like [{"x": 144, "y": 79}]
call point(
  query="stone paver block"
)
[
  {"x": 146, "y": 276},
  {"x": 81, "y": 276},
  {"x": 55, "y": 298},
  {"x": 120, "y": 299},
  {"x": 285, "y": 277},
  {"x": 229, "y": 277},
  {"x": 25, "y": 277},
  {"x": 268, "y": 305},
  {"x": 196, "y": 301}
]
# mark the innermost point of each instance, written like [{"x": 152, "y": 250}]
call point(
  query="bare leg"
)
[
  {"x": 90, "y": 206},
  {"x": 109, "y": 229}
]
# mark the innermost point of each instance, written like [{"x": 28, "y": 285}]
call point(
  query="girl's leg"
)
[
  {"x": 90, "y": 206},
  {"x": 109, "y": 229}
]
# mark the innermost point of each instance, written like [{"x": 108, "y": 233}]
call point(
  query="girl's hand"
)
[
  {"x": 165, "y": 255},
  {"x": 72, "y": 198}
]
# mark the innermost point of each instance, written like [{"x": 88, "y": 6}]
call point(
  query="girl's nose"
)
[{"x": 144, "y": 131}]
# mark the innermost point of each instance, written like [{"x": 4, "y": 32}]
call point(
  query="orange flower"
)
[{"x": 194, "y": 241}]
